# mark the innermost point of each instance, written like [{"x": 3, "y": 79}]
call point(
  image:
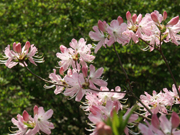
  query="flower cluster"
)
[
  {"x": 77, "y": 82},
  {"x": 161, "y": 126},
  {"x": 81, "y": 80},
  {"x": 159, "y": 102},
  {"x": 151, "y": 28},
  {"x": 20, "y": 55},
  {"x": 101, "y": 106},
  {"x": 79, "y": 53},
  {"x": 30, "y": 126}
]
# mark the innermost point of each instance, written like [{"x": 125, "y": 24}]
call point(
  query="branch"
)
[
  {"x": 41, "y": 77},
  {"x": 127, "y": 79}
]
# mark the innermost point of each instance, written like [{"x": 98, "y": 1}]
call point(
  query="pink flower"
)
[
  {"x": 31, "y": 126},
  {"x": 116, "y": 33},
  {"x": 67, "y": 57},
  {"x": 20, "y": 125},
  {"x": 98, "y": 35},
  {"x": 156, "y": 103},
  {"x": 156, "y": 17},
  {"x": 41, "y": 120},
  {"x": 77, "y": 84},
  {"x": 94, "y": 76},
  {"x": 79, "y": 53},
  {"x": 115, "y": 97},
  {"x": 172, "y": 33},
  {"x": 18, "y": 55},
  {"x": 56, "y": 79},
  {"x": 133, "y": 24},
  {"x": 161, "y": 126},
  {"x": 145, "y": 25}
]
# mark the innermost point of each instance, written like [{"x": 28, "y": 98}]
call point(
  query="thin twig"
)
[
  {"x": 142, "y": 116},
  {"x": 127, "y": 78},
  {"x": 164, "y": 58},
  {"x": 172, "y": 76},
  {"x": 41, "y": 77},
  {"x": 66, "y": 86}
]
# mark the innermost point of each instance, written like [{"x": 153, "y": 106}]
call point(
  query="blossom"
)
[
  {"x": 41, "y": 120},
  {"x": 98, "y": 35},
  {"x": 115, "y": 97},
  {"x": 172, "y": 33},
  {"x": 77, "y": 86},
  {"x": 58, "y": 80},
  {"x": 161, "y": 126},
  {"x": 19, "y": 123},
  {"x": 132, "y": 25},
  {"x": 156, "y": 103},
  {"x": 79, "y": 53},
  {"x": 19, "y": 55},
  {"x": 30, "y": 126},
  {"x": 115, "y": 30},
  {"x": 94, "y": 76}
]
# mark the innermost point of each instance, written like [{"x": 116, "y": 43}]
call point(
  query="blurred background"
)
[{"x": 51, "y": 23}]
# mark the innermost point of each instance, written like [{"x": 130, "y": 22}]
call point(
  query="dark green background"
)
[{"x": 50, "y": 23}]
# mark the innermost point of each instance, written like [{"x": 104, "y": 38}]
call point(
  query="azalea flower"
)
[
  {"x": 115, "y": 30},
  {"x": 161, "y": 126},
  {"x": 41, "y": 120},
  {"x": 99, "y": 35},
  {"x": 31, "y": 126},
  {"x": 19, "y": 55},
  {"x": 79, "y": 53},
  {"x": 58, "y": 80}
]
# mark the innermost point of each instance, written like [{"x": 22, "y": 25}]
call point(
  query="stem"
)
[
  {"x": 109, "y": 91},
  {"x": 164, "y": 58},
  {"x": 142, "y": 116},
  {"x": 127, "y": 79},
  {"x": 63, "y": 85},
  {"x": 160, "y": 50},
  {"x": 40, "y": 77}
]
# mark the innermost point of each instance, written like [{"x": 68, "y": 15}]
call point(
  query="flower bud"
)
[
  {"x": 27, "y": 45},
  {"x": 17, "y": 47},
  {"x": 154, "y": 17},
  {"x": 117, "y": 88},
  {"x": 102, "y": 25},
  {"x": 134, "y": 17},
  {"x": 25, "y": 115},
  {"x": 120, "y": 20},
  {"x": 14, "y": 45},
  {"x": 62, "y": 48},
  {"x": 61, "y": 71},
  {"x": 173, "y": 21},
  {"x": 128, "y": 15},
  {"x": 164, "y": 15},
  {"x": 35, "y": 109}
]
